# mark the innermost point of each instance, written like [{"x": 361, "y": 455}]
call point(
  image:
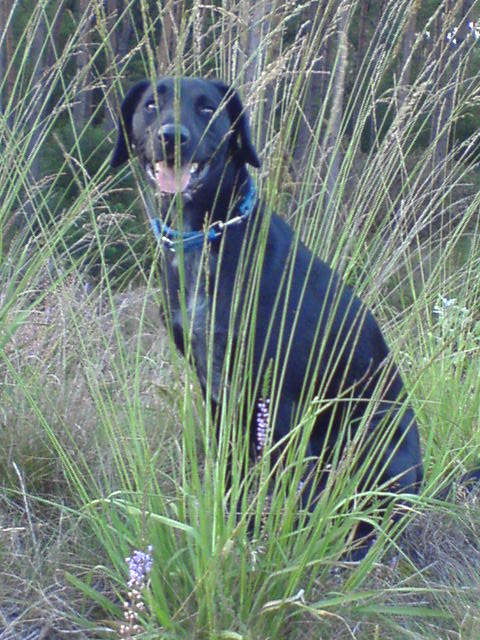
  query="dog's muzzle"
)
[
  {"x": 172, "y": 174},
  {"x": 173, "y": 179}
]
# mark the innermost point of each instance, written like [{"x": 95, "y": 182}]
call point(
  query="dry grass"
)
[
  {"x": 62, "y": 345},
  {"x": 66, "y": 349}
]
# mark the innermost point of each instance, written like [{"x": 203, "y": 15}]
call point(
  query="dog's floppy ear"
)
[
  {"x": 124, "y": 127},
  {"x": 242, "y": 141}
]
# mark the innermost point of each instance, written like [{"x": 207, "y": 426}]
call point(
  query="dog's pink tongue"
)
[{"x": 171, "y": 179}]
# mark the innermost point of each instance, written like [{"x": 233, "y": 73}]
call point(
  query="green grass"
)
[{"x": 105, "y": 444}]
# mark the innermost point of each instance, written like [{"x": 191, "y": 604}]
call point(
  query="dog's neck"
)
[
  {"x": 197, "y": 222},
  {"x": 173, "y": 239},
  {"x": 217, "y": 202}
]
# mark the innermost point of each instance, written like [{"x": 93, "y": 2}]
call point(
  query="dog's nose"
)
[{"x": 169, "y": 134}]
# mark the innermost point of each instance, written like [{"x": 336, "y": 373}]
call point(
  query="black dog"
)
[{"x": 232, "y": 269}]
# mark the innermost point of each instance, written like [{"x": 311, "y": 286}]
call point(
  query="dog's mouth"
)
[{"x": 171, "y": 179}]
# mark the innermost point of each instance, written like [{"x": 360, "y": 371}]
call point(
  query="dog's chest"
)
[
  {"x": 190, "y": 293},
  {"x": 190, "y": 309}
]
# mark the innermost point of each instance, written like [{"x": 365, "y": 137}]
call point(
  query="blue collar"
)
[{"x": 171, "y": 238}]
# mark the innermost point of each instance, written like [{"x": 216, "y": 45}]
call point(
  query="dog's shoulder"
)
[{"x": 286, "y": 248}]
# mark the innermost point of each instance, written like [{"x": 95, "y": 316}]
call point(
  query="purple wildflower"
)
[
  {"x": 139, "y": 566},
  {"x": 301, "y": 484},
  {"x": 474, "y": 31},
  {"x": 262, "y": 424}
]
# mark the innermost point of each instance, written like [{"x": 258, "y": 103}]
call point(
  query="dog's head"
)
[{"x": 185, "y": 132}]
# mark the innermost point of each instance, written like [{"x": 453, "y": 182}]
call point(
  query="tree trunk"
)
[
  {"x": 7, "y": 77},
  {"x": 316, "y": 81},
  {"x": 406, "y": 60},
  {"x": 3, "y": 25},
  {"x": 360, "y": 59},
  {"x": 82, "y": 105},
  {"x": 167, "y": 50},
  {"x": 118, "y": 22},
  {"x": 372, "y": 120},
  {"x": 256, "y": 53},
  {"x": 451, "y": 60},
  {"x": 334, "y": 133},
  {"x": 257, "y": 50},
  {"x": 36, "y": 108},
  {"x": 55, "y": 31}
]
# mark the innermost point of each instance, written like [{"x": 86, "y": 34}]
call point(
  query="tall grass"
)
[{"x": 106, "y": 445}]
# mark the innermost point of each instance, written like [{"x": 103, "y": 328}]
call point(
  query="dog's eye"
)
[
  {"x": 150, "y": 106},
  {"x": 207, "y": 110}
]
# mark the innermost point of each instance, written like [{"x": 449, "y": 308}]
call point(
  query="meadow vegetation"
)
[{"x": 366, "y": 120}]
